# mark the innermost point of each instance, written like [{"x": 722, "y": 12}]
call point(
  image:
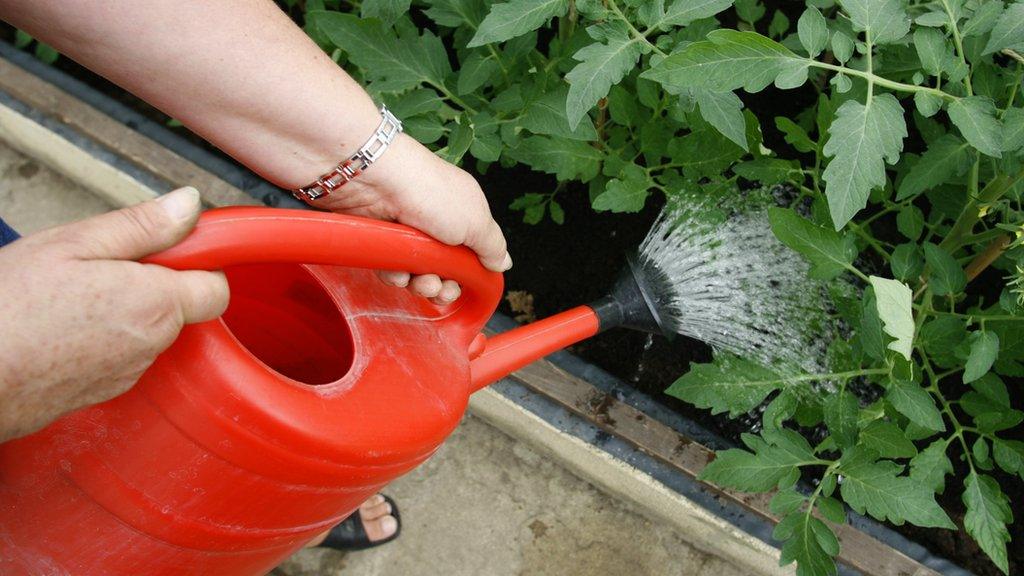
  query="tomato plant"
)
[{"x": 908, "y": 151}]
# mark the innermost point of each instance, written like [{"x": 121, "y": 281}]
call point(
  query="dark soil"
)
[{"x": 561, "y": 266}]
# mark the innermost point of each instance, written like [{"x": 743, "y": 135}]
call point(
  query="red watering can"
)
[{"x": 257, "y": 431}]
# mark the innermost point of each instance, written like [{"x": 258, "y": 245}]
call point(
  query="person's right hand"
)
[{"x": 81, "y": 320}]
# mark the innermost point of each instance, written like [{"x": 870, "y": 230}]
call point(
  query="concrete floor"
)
[{"x": 486, "y": 504}]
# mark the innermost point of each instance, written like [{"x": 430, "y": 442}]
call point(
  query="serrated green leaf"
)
[
  {"x": 600, "y": 66},
  {"x": 828, "y": 253},
  {"x": 729, "y": 384},
  {"x": 927, "y": 103},
  {"x": 1013, "y": 129},
  {"x": 761, "y": 469},
  {"x": 841, "y": 418},
  {"x": 915, "y": 403},
  {"x": 984, "y": 18},
  {"x": 975, "y": 117},
  {"x": 947, "y": 156},
  {"x": 486, "y": 148},
  {"x": 456, "y": 13},
  {"x": 624, "y": 195},
  {"x": 1009, "y": 455},
  {"x": 425, "y": 129},
  {"x": 768, "y": 171},
  {"x": 386, "y": 10},
  {"x": 460, "y": 137},
  {"x": 907, "y": 261},
  {"x": 680, "y": 12},
  {"x": 885, "y": 20},
  {"x": 842, "y": 46},
  {"x": 566, "y": 159},
  {"x": 946, "y": 277},
  {"x": 875, "y": 487},
  {"x": 812, "y": 31},
  {"x": 795, "y": 135},
  {"x": 811, "y": 544},
  {"x": 931, "y": 49},
  {"x": 893, "y": 299},
  {"x": 910, "y": 222},
  {"x": 861, "y": 139},
  {"x": 726, "y": 61},
  {"x": 393, "y": 64},
  {"x": 936, "y": 19},
  {"x": 515, "y": 18},
  {"x": 870, "y": 332},
  {"x": 984, "y": 350},
  {"x": 988, "y": 514},
  {"x": 1009, "y": 29},
  {"x": 832, "y": 509},
  {"x": 888, "y": 440},
  {"x": 724, "y": 111},
  {"x": 786, "y": 501},
  {"x": 476, "y": 70},
  {"x": 546, "y": 115},
  {"x": 931, "y": 466}
]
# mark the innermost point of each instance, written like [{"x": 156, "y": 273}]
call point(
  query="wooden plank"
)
[
  {"x": 859, "y": 550},
  {"x": 118, "y": 138}
]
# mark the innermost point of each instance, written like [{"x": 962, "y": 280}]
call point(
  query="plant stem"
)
[
  {"x": 985, "y": 259},
  {"x": 970, "y": 215},
  {"x": 637, "y": 35},
  {"x": 959, "y": 45},
  {"x": 884, "y": 82}
]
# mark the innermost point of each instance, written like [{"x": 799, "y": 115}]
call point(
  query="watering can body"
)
[{"x": 255, "y": 432}]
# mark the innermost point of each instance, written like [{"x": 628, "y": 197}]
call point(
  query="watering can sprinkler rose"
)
[{"x": 257, "y": 431}]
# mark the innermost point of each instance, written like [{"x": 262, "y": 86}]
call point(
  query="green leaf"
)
[
  {"x": 475, "y": 72},
  {"x": 936, "y": 19},
  {"x": 456, "y": 13},
  {"x": 832, "y": 509},
  {"x": 886, "y": 20},
  {"x": 795, "y": 135},
  {"x": 1008, "y": 31},
  {"x": 861, "y": 139},
  {"x": 888, "y": 440},
  {"x": 46, "y": 53},
  {"x": 916, "y": 404},
  {"x": 546, "y": 115},
  {"x": 931, "y": 466},
  {"x": 870, "y": 332},
  {"x": 393, "y": 64},
  {"x": 786, "y": 501},
  {"x": 813, "y": 31},
  {"x": 1013, "y": 129},
  {"x": 812, "y": 545},
  {"x": 628, "y": 193},
  {"x": 425, "y": 129},
  {"x": 988, "y": 514},
  {"x": 975, "y": 117},
  {"x": 764, "y": 467},
  {"x": 893, "y": 299},
  {"x": 460, "y": 137},
  {"x": 768, "y": 171},
  {"x": 841, "y": 418},
  {"x": 680, "y": 12},
  {"x": 515, "y": 18},
  {"x": 729, "y": 384},
  {"x": 1009, "y": 455},
  {"x": 724, "y": 111},
  {"x": 842, "y": 46},
  {"x": 22, "y": 38},
  {"x": 601, "y": 65},
  {"x": 946, "y": 277},
  {"x": 984, "y": 18},
  {"x": 927, "y": 103},
  {"x": 828, "y": 253},
  {"x": 931, "y": 49},
  {"x": 726, "y": 61},
  {"x": 566, "y": 159},
  {"x": 876, "y": 487},
  {"x": 910, "y": 222},
  {"x": 984, "y": 350},
  {"x": 907, "y": 261},
  {"x": 946, "y": 156},
  {"x": 386, "y": 10}
]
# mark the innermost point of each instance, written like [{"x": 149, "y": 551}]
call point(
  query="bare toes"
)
[
  {"x": 397, "y": 279},
  {"x": 374, "y": 512},
  {"x": 380, "y": 528},
  {"x": 450, "y": 292}
]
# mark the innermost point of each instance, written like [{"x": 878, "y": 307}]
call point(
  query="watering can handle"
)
[{"x": 255, "y": 235}]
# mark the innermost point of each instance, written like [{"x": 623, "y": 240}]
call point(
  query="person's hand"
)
[
  {"x": 80, "y": 320},
  {"x": 413, "y": 186}
]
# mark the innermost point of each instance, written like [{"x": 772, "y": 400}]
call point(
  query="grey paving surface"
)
[{"x": 485, "y": 505}]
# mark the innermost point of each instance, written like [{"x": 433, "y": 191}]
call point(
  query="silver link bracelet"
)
[{"x": 389, "y": 129}]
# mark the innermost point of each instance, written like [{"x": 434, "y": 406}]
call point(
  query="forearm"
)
[{"x": 237, "y": 72}]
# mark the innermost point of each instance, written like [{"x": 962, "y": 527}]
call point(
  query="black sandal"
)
[{"x": 350, "y": 535}]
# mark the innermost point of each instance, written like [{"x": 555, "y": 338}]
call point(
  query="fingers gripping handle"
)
[{"x": 251, "y": 235}]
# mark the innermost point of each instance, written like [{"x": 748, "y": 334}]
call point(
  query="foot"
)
[{"x": 375, "y": 523}]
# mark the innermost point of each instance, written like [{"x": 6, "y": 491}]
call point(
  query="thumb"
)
[
  {"x": 136, "y": 231},
  {"x": 200, "y": 295}
]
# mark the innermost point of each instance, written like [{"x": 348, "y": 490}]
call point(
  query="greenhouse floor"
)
[{"x": 486, "y": 504}]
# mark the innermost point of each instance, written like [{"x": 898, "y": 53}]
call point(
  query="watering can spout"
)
[{"x": 634, "y": 302}]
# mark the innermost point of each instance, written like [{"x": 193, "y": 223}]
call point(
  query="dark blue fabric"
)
[{"x": 7, "y": 234}]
